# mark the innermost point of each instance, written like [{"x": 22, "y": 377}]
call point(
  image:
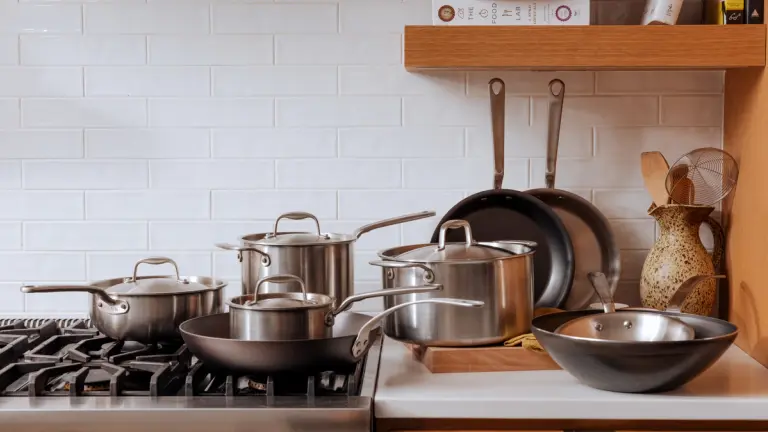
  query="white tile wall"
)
[{"x": 145, "y": 127}]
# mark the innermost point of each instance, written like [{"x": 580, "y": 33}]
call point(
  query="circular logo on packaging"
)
[
  {"x": 446, "y": 13},
  {"x": 563, "y": 13}
]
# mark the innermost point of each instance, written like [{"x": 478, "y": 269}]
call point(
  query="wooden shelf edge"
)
[{"x": 584, "y": 47}]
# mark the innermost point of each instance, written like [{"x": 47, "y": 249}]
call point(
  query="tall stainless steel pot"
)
[
  {"x": 324, "y": 261},
  {"x": 146, "y": 308},
  {"x": 500, "y": 274}
]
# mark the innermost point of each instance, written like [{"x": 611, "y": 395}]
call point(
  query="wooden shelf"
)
[{"x": 585, "y": 47}]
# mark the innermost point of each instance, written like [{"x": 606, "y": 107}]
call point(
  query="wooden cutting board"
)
[{"x": 484, "y": 359}]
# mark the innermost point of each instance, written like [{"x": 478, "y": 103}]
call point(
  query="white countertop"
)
[{"x": 735, "y": 388}]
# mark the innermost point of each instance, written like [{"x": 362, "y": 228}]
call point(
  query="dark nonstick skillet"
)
[{"x": 504, "y": 214}]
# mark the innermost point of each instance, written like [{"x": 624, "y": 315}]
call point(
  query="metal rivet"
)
[
  {"x": 390, "y": 274},
  {"x": 429, "y": 277},
  {"x": 265, "y": 261},
  {"x": 598, "y": 327},
  {"x": 123, "y": 306},
  {"x": 100, "y": 304},
  {"x": 628, "y": 324}
]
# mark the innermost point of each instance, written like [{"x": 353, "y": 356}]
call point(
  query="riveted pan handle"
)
[
  {"x": 429, "y": 275},
  {"x": 363, "y": 340},
  {"x": 553, "y": 133},
  {"x": 265, "y": 260},
  {"x": 498, "y": 100},
  {"x": 112, "y": 306},
  {"x": 392, "y": 221},
  {"x": 382, "y": 293}
]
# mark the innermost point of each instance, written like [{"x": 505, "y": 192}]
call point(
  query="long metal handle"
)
[
  {"x": 455, "y": 224},
  {"x": 553, "y": 131},
  {"x": 384, "y": 293},
  {"x": 364, "y": 335},
  {"x": 278, "y": 279},
  {"x": 155, "y": 261},
  {"x": 676, "y": 301},
  {"x": 113, "y": 306},
  {"x": 600, "y": 284},
  {"x": 392, "y": 221},
  {"x": 498, "y": 101},
  {"x": 297, "y": 216},
  {"x": 429, "y": 275},
  {"x": 265, "y": 260}
]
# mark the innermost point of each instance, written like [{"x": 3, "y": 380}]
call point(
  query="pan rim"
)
[{"x": 561, "y": 297}]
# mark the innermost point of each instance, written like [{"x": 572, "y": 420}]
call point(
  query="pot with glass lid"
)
[{"x": 500, "y": 274}]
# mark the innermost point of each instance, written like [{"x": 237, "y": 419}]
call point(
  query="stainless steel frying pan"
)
[
  {"x": 353, "y": 333},
  {"x": 592, "y": 237}
]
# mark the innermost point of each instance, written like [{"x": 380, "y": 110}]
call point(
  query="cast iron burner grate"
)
[{"x": 41, "y": 358}]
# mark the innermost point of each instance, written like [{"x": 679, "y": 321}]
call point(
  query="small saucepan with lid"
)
[
  {"x": 295, "y": 315},
  {"x": 146, "y": 308}
]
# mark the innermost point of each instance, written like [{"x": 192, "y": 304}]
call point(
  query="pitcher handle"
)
[{"x": 718, "y": 235}]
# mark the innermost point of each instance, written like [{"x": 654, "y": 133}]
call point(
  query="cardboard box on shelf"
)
[{"x": 510, "y": 12}]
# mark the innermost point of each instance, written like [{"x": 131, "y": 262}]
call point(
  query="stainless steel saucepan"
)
[
  {"x": 353, "y": 333},
  {"x": 500, "y": 274},
  {"x": 146, "y": 308},
  {"x": 294, "y": 316},
  {"x": 323, "y": 261}
]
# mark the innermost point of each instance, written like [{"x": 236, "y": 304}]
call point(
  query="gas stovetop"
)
[{"x": 62, "y": 374}]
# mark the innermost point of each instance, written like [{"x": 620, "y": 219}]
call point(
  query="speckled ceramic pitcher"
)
[{"x": 679, "y": 254}]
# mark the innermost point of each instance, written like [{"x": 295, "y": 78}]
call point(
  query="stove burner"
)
[{"x": 43, "y": 358}]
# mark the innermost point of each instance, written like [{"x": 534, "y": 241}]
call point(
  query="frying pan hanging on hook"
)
[
  {"x": 504, "y": 214},
  {"x": 591, "y": 233}
]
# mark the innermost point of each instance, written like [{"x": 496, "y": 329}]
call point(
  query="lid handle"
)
[
  {"x": 155, "y": 261},
  {"x": 455, "y": 224},
  {"x": 277, "y": 279},
  {"x": 296, "y": 216}
]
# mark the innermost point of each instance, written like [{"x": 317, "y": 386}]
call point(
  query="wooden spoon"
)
[
  {"x": 679, "y": 186},
  {"x": 655, "y": 168}
]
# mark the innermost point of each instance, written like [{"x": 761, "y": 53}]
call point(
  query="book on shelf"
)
[{"x": 510, "y": 12}]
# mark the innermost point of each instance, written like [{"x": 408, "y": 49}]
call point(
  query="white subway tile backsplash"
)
[
  {"x": 211, "y": 174},
  {"x": 410, "y": 142},
  {"x": 388, "y": 80},
  {"x": 110, "y": 265},
  {"x": 131, "y": 128},
  {"x": 83, "y": 50},
  {"x": 274, "y": 80},
  {"x": 147, "y": 205},
  {"x": 147, "y": 81},
  {"x": 341, "y": 111},
  {"x": 210, "y": 50},
  {"x": 41, "y": 205},
  {"x": 668, "y": 82},
  {"x": 275, "y": 18},
  {"x": 464, "y": 174},
  {"x": 55, "y": 18},
  {"x": 338, "y": 174},
  {"x": 273, "y": 143},
  {"x": 42, "y": 266},
  {"x": 10, "y": 113},
  {"x": 10, "y": 235},
  {"x": 83, "y": 113},
  {"x": 85, "y": 236},
  {"x": 10, "y": 174},
  {"x": 9, "y": 49},
  {"x": 147, "y": 143},
  {"x": 337, "y": 49},
  {"x": 199, "y": 112},
  {"x": 250, "y": 205},
  {"x": 69, "y": 174},
  {"x": 152, "y": 18},
  {"x": 692, "y": 110},
  {"x": 195, "y": 236},
  {"x": 37, "y": 144},
  {"x": 383, "y": 16},
  {"x": 41, "y": 81}
]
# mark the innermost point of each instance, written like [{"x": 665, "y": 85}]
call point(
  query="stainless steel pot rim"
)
[
  {"x": 607, "y": 342},
  {"x": 513, "y": 248},
  {"x": 187, "y": 323},
  {"x": 208, "y": 282},
  {"x": 314, "y": 301}
]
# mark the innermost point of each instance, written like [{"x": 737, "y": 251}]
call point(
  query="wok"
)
[
  {"x": 635, "y": 367},
  {"x": 353, "y": 334}
]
